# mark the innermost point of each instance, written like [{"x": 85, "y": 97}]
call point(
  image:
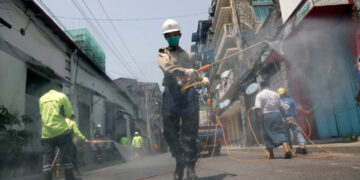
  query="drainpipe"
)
[{"x": 73, "y": 89}]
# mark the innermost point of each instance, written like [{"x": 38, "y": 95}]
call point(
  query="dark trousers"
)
[
  {"x": 64, "y": 143},
  {"x": 74, "y": 157},
  {"x": 181, "y": 137}
]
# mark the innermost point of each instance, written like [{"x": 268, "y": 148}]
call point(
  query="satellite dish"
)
[
  {"x": 225, "y": 74},
  {"x": 252, "y": 88},
  {"x": 218, "y": 86},
  {"x": 224, "y": 104}
]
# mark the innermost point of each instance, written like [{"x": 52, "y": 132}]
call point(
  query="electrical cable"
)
[
  {"x": 106, "y": 35},
  {"x": 121, "y": 40},
  {"x": 330, "y": 154},
  {"x": 117, "y": 55},
  {"x": 84, "y": 14},
  {"x": 133, "y": 19}
]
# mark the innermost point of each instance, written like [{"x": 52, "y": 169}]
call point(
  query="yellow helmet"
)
[{"x": 281, "y": 91}]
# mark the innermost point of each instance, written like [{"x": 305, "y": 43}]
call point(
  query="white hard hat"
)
[
  {"x": 169, "y": 26},
  {"x": 99, "y": 126},
  {"x": 136, "y": 133}
]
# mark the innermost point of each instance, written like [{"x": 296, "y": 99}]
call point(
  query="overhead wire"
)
[
  {"x": 132, "y": 19},
  {"x": 107, "y": 36},
  {"x": 121, "y": 39},
  {"x": 93, "y": 27},
  {"x": 105, "y": 39},
  {"x": 47, "y": 9}
]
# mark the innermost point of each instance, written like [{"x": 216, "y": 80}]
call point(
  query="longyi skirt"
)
[{"x": 274, "y": 130}]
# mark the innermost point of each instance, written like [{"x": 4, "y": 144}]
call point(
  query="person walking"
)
[
  {"x": 178, "y": 68},
  {"x": 269, "y": 110}
]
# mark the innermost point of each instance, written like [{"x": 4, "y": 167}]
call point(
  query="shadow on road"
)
[{"x": 217, "y": 177}]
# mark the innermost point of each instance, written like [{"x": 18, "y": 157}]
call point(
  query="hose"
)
[{"x": 330, "y": 154}]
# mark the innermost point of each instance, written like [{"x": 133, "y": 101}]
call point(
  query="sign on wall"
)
[
  {"x": 331, "y": 2},
  {"x": 287, "y": 7}
]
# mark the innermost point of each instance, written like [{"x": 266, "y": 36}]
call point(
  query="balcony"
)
[
  {"x": 229, "y": 63},
  {"x": 209, "y": 57},
  {"x": 226, "y": 31},
  {"x": 194, "y": 48},
  {"x": 224, "y": 18},
  {"x": 195, "y": 37},
  {"x": 197, "y": 57},
  {"x": 226, "y": 41},
  {"x": 219, "y": 6}
]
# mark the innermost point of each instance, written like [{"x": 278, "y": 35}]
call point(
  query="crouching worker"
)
[
  {"x": 268, "y": 108},
  {"x": 54, "y": 107},
  {"x": 77, "y": 136}
]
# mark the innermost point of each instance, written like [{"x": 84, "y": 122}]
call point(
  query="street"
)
[{"x": 341, "y": 166}]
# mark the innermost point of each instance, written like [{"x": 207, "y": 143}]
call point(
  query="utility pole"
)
[{"x": 148, "y": 123}]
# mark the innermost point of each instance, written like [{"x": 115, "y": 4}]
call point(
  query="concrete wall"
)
[
  {"x": 89, "y": 78},
  {"x": 12, "y": 83},
  {"x": 38, "y": 42}
]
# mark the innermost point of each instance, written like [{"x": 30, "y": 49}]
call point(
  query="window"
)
[{"x": 262, "y": 9}]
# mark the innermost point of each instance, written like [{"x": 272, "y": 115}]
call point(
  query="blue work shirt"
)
[{"x": 289, "y": 106}]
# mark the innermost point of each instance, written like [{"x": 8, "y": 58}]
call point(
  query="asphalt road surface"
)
[{"x": 341, "y": 166}]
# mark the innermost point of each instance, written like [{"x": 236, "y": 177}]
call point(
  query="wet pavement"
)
[{"x": 344, "y": 165}]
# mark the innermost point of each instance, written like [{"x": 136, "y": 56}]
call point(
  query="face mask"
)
[{"x": 173, "y": 41}]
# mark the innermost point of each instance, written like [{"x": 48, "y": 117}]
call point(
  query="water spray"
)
[
  {"x": 205, "y": 67},
  {"x": 99, "y": 141}
]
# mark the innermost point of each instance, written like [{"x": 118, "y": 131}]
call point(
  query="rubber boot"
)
[
  {"x": 179, "y": 170},
  {"x": 48, "y": 176},
  {"x": 191, "y": 175}
]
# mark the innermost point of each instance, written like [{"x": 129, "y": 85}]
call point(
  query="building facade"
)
[
  {"x": 302, "y": 46},
  {"x": 147, "y": 97},
  {"x": 34, "y": 50}
]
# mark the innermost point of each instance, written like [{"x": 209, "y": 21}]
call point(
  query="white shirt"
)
[{"x": 268, "y": 101}]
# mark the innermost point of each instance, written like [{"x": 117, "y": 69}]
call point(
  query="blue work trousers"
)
[{"x": 296, "y": 130}]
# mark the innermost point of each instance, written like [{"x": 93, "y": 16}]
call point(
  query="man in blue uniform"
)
[{"x": 290, "y": 107}]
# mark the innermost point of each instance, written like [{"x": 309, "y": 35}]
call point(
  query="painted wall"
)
[
  {"x": 38, "y": 42},
  {"x": 12, "y": 83},
  {"x": 87, "y": 77}
]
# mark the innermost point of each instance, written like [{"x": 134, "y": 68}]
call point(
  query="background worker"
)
[
  {"x": 98, "y": 145},
  {"x": 137, "y": 142},
  {"x": 178, "y": 66},
  {"x": 124, "y": 141},
  {"x": 269, "y": 110},
  {"x": 54, "y": 107},
  {"x": 76, "y": 134},
  {"x": 290, "y": 106}
]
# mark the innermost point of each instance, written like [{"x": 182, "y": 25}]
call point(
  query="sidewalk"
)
[{"x": 345, "y": 147}]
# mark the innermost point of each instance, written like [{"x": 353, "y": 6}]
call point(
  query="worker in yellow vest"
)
[
  {"x": 137, "y": 144},
  {"x": 54, "y": 108}
]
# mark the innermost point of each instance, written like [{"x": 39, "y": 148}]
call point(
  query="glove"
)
[
  {"x": 206, "y": 82},
  {"x": 192, "y": 74},
  {"x": 287, "y": 121}
]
